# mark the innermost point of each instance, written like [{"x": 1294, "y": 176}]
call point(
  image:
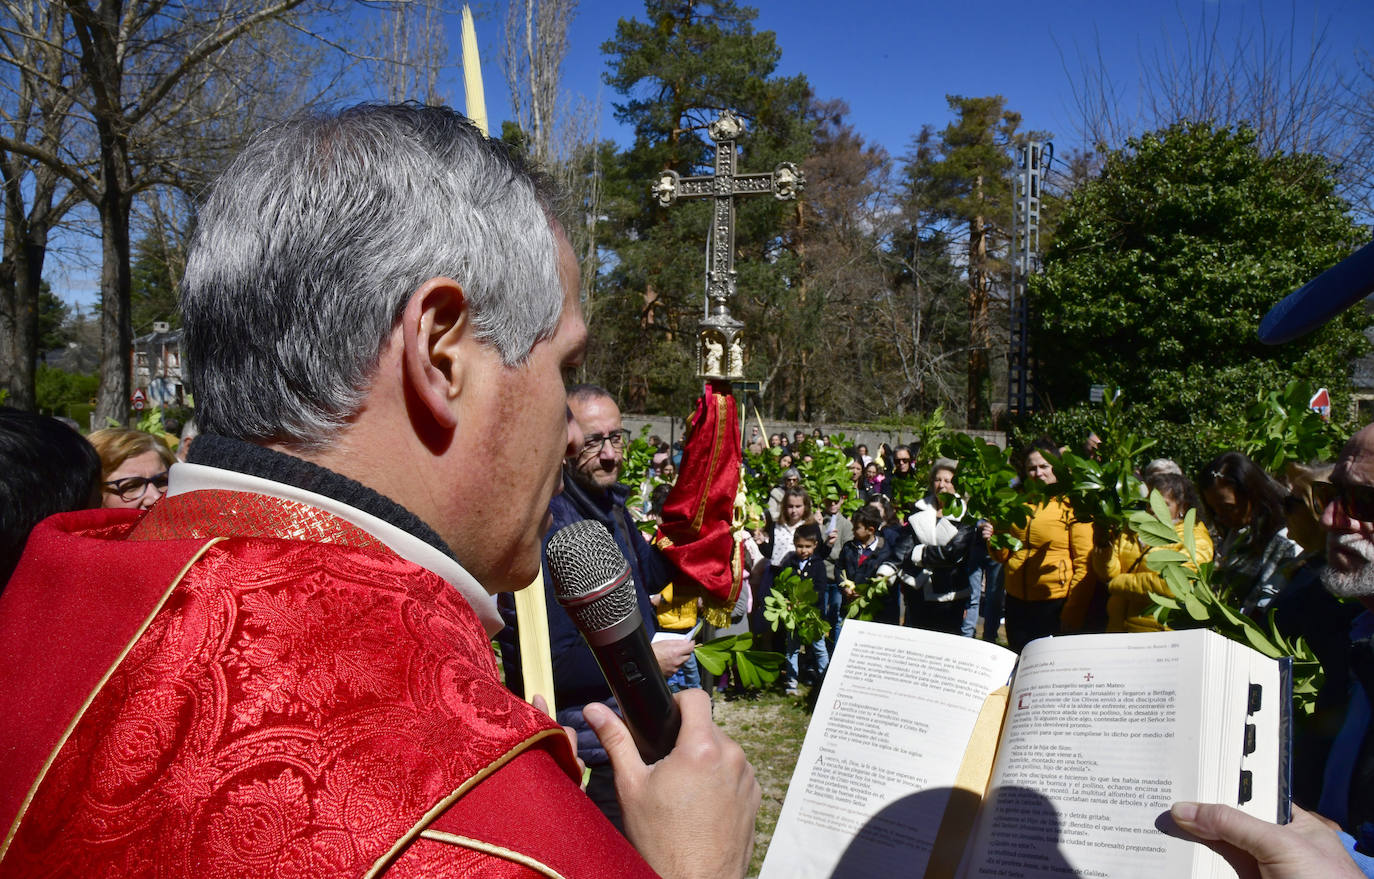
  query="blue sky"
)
[{"x": 894, "y": 62}]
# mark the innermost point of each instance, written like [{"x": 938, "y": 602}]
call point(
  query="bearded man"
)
[
  {"x": 284, "y": 669},
  {"x": 1348, "y": 516},
  {"x": 1308, "y": 847},
  {"x": 591, "y": 491}
]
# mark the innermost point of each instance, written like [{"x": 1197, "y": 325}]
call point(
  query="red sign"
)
[
  {"x": 1321, "y": 404},
  {"x": 138, "y": 399}
]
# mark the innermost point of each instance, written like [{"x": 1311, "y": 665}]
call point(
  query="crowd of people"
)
[
  {"x": 923, "y": 564},
  {"x": 1265, "y": 536},
  {"x": 1064, "y": 576},
  {"x": 273, "y": 657}
]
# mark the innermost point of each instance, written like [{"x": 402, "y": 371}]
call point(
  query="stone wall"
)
[{"x": 672, "y": 430}]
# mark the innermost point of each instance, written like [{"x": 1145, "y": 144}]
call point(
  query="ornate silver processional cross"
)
[{"x": 720, "y": 350}]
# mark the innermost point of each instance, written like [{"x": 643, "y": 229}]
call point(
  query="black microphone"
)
[{"x": 592, "y": 580}]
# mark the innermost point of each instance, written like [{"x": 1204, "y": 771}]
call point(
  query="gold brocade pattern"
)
[
  {"x": 290, "y": 710},
  {"x": 221, "y": 513}
]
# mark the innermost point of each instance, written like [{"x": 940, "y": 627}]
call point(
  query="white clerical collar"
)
[{"x": 197, "y": 477}]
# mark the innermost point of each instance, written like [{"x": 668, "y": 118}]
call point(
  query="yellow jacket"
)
[
  {"x": 1129, "y": 582},
  {"x": 677, "y": 612},
  {"x": 1052, "y": 561}
]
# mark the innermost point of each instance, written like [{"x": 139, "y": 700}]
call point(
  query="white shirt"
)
[{"x": 782, "y": 541}]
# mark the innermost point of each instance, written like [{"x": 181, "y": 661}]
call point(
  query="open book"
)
[{"x": 921, "y": 762}]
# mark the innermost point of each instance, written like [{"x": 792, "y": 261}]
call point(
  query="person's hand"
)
[
  {"x": 1306, "y": 848},
  {"x": 671, "y": 653},
  {"x": 1104, "y": 535},
  {"x": 985, "y": 529},
  {"x": 542, "y": 706},
  {"x": 706, "y": 773}
]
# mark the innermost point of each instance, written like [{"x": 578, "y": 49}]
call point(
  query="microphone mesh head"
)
[{"x": 583, "y": 559}]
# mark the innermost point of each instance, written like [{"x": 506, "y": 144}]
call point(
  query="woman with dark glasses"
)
[{"x": 133, "y": 467}]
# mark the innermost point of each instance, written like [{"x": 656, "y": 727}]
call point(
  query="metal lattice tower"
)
[{"x": 1033, "y": 158}]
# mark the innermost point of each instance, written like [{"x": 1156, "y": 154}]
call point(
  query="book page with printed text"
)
[
  {"x": 1103, "y": 733},
  {"x": 882, "y": 752}
]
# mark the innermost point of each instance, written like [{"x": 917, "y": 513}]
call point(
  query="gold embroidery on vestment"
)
[{"x": 100, "y": 685}]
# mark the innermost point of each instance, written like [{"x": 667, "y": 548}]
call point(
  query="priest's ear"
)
[{"x": 436, "y": 319}]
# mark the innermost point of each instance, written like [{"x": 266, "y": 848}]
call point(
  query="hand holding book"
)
[
  {"x": 919, "y": 761},
  {"x": 1305, "y": 848}
]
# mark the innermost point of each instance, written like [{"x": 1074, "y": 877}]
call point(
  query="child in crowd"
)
[
  {"x": 865, "y": 559},
  {"x": 808, "y": 566},
  {"x": 778, "y": 536},
  {"x": 775, "y": 543},
  {"x": 836, "y": 531}
]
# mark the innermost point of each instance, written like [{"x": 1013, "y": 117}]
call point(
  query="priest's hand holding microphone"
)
[{"x": 672, "y": 764}]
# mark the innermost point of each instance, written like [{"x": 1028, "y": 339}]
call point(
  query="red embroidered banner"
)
[{"x": 696, "y": 533}]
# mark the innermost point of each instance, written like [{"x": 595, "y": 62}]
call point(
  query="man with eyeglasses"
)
[
  {"x": 284, "y": 667},
  {"x": 591, "y": 490},
  {"x": 1347, "y": 503},
  {"x": 1307, "y": 848},
  {"x": 1348, "y": 514}
]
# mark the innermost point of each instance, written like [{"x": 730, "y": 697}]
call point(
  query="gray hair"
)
[
  {"x": 585, "y": 392},
  {"x": 940, "y": 464},
  {"x": 1159, "y": 466},
  {"x": 312, "y": 242}
]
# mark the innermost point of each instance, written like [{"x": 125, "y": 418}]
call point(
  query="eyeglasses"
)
[
  {"x": 591, "y": 443},
  {"x": 131, "y": 488},
  {"x": 1356, "y": 500},
  {"x": 903, "y": 460}
]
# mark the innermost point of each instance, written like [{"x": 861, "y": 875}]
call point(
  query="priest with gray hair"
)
[{"x": 285, "y": 667}]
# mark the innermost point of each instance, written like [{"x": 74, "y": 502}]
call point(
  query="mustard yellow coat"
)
[
  {"x": 1129, "y": 582},
  {"x": 677, "y": 612},
  {"x": 1052, "y": 561}
]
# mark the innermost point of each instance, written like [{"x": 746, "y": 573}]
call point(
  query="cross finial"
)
[{"x": 720, "y": 351}]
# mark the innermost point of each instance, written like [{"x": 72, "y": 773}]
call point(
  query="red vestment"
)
[{"x": 285, "y": 698}]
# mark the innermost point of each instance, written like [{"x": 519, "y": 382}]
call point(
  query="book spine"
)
[{"x": 1285, "y": 767}]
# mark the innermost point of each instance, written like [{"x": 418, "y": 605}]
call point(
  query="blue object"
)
[
  {"x": 1320, "y": 299},
  {"x": 1363, "y": 861}
]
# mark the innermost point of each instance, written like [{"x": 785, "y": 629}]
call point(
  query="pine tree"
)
[
  {"x": 676, "y": 70},
  {"x": 965, "y": 178}
]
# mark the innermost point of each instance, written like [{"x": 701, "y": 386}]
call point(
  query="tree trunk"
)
[
  {"x": 593, "y": 213},
  {"x": 978, "y": 404},
  {"x": 11, "y": 363},
  {"x": 21, "y": 278},
  {"x": 28, "y": 280},
  {"x": 116, "y": 331}
]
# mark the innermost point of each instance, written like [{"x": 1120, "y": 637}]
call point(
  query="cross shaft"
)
[{"x": 722, "y": 353}]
